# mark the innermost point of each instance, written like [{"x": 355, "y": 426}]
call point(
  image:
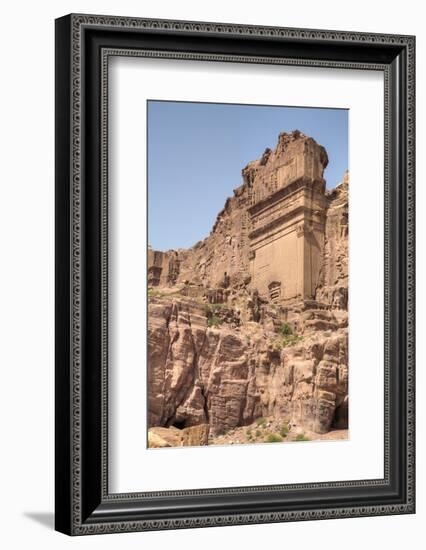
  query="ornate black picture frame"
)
[{"x": 84, "y": 44}]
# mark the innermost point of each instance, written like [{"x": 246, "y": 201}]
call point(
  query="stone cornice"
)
[
  {"x": 279, "y": 220},
  {"x": 278, "y": 195}
]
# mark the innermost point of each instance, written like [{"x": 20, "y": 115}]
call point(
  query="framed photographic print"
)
[{"x": 234, "y": 274}]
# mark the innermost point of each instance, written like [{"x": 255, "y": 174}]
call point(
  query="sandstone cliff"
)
[
  {"x": 221, "y": 354},
  {"x": 333, "y": 284}
]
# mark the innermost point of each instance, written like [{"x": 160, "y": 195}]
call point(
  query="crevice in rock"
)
[{"x": 205, "y": 405}]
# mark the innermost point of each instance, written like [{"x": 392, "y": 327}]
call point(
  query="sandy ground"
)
[{"x": 271, "y": 430}]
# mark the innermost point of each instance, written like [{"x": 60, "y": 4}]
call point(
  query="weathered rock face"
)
[
  {"x": 224, "y": 351},
  {"x": 333, "y": 282},
  {"x": 196, "y": 374},
  {"x": 228, "y": 378},
  {"x": 175, "y": 437}
]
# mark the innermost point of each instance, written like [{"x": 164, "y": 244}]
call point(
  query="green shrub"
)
[
  {"x": 214, "y": 321},
  {"x": 301, "y": 437},
  {"x": 261, "y": 421},
  {"x": 273, "y": 438},
  {"x": 285, "y": 329},
  {"x": 287, "y": 341},
  {"x": 211, "y": 309},
  {"x": 286, "y": 337},
  {"x": 284, "y": 430},
  {"x": 257, "y": 433}
]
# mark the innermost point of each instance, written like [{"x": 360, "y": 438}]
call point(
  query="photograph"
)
[
  {"x": 235, "y": 273},
  {"x": 210, "y": 299},
  {"x": 247, "y": 274}
]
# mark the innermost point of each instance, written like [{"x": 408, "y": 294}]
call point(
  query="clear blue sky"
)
[{"x": 196, "y": 152}]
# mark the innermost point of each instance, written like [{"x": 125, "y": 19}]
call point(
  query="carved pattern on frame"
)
[{"x": 80, "y": 21}]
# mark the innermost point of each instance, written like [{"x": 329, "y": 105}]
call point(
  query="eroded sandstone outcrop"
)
[
  {"x": 193, "y": 436},
  {"x": 228, "y": 345},
  {"x": 228, "y": 378},
  {"x": 333, "y": 282}
]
